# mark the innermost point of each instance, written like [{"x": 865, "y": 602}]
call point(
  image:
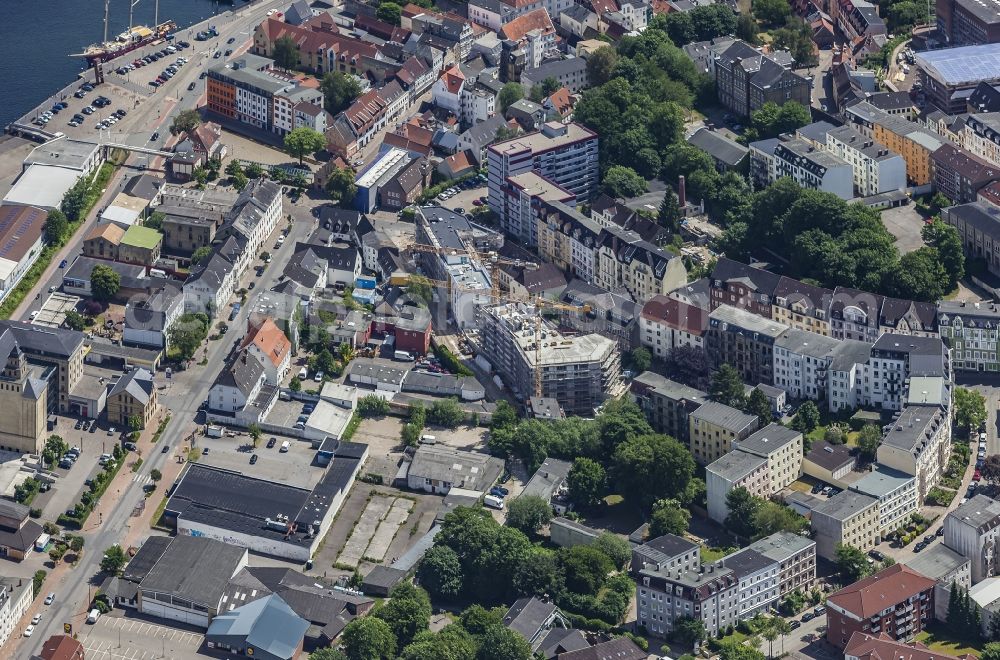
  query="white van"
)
[
  {"x": 284, "y": 446},
  {"x": 93, "y": 616},
  {"x": 493, "y": 502},
  {"x": 303, "y": 373},
  {"x": 427, "y": 440}
]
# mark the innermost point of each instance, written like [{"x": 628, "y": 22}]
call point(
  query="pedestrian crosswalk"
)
[{"x": 142, "y": 479}]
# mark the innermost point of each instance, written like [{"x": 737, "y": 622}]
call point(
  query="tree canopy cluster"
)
[
  {"x": 754, "y": 518},
  {"x": 834, "y": 243},
  {"x": 476, "y": 557},
  {"x": 643, "y": 466}
]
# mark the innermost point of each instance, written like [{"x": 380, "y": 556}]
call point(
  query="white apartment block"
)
[
  {"x": 667, "y": 323},
  {"x": 625, "y": 261},
  {"x": 896, "y": 494},
  {"x": 758, "y": 577},
  {"x": 15, "y": 599},
  {"x": 802, "y": 363},
  {"x": 973, "y": 531},
  {"x": 734, "y": 470},
  {"x": 522, "y": 203},
  {"x": 802, "y": 162},
  {"x": 972, "y": 332},
  {"x": 781, "y": 447},
  {"x": 846, "y": 373},
  {"x": 876, "y": 169},
  {"x": 796, "y": 558},
  {"x": 710, "y": 594},
  {"x": 564, "y": 153},
  {"x": 919, "y": 443},
  {"x": 253, "y": 107}
]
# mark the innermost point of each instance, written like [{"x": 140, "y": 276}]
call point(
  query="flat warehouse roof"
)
[{"x": 966, "y": 64}]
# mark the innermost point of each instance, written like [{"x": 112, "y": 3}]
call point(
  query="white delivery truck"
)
[
  {"x": 214, "y": 431},
  {"x": 493, "y": 502}
]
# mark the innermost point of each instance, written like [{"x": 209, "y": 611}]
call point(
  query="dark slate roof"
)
[
  {"x": 42, "y": 340},
  {"x": 982, "y": 217},
  {"x": 527, "y": 616},
  {"x": 195, "y": 569},
  {"x": 143, "y": 186},
  {"x": 719, "y": 146},
  {"x": 891, "y": 100},
  {"x": 243, "y": 373},
  {"x": 22, "y": 538},
  {"x": 147, "y": 556},
  {"x": 746, "y": 562},
  {"x": 620, "y": 648},
  {"x": 830, "y": 457},
  {"x": 670, "y": 545},
  {"x": 894, "y": 309},
  {"x": 762, "y": 280},
  {"x": 338, "y": 220},
  {"x": 137, "y": 382}
]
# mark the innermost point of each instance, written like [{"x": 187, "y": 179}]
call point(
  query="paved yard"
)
[
  {"x": 375, "y": 529},
  {"x": 293, "y": 468},
  {"x": 123, "y": 638},
  {"x": 904, "y": 223}
]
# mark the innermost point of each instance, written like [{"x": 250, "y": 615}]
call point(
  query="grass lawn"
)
[
  {"x": 713, "y": 554},
  {"x": 938, "y": 638},
  {"x": 852, "y": 438}
]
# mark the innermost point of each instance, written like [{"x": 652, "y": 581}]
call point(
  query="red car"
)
[{"x": 976, "y": 476}]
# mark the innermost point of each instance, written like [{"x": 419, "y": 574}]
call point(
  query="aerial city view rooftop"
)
[{"x": 501, "y": 330}]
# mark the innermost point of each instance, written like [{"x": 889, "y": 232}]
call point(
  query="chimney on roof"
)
[{"x": 681, "y": 192}]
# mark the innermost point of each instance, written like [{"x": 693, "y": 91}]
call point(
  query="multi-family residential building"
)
[
  {"x": 854, "y": 314},
  {"x": 896, "y": 494},
  {"x": 846, "y": 374},
  {"x": 241, "y": 391},
  {"x": 908, "y": 317},
  {"x": 959, "y": 174},
  {"x": 746, "y": 79},
  {"x": 908, "y": 139},
  {"x": 745, "y": 341},
  {"x": 802, "y": 362},
  {"x": 525, "y": 41},
  {"x": 789, "y": 156},
  {"x": 738, "y": 285},
  {"x": 781, "y": 447},
  {"x": 730, "y": 471},
  {"x": 357, "y": 126},
  {"x": 568, "y": 239},
  {"x": 978, "y": 226},
  {"x": 666, "y": 553},
  {"x": 580, "y": 372},
  {"x": 972, "y": 530},
  {"x": 625, "y": 261},
  {"x": 714, "y": 427},
  {"x": 132, "y": 396},
  {"x": 667, "y": 323},
  {"x": 796, "y": 558},
  {"x": 947, "y": 76},
  {"x": 569, "y": 73},
  {"x": 971, "y": 331},
  {"x": 667, "y": 404},
  {"x": 758, "y": 577},
  {"x": 149, "y": 318},
  {"x": 963, "y": 22},
  {"x": 897, "y": 601},
  {"x": 803, "y": 306},
  {"x": 563, "y": 153},
  {"x": 919, "y": 444},
  {"x": 894, "y": 359},
  {"x": 710, "y": 594},
  {"x": 848, "y": 518},
  {"x": 876, "y": 169},
  {"x": 522, "y": 202},
  {"x": 16, "y": 596},
  {"x": 270, "y": 346},
  {"x": 980, "y": 135},
  {"x": 491, "y": 14}
]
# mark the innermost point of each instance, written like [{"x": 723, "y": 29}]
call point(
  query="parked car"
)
[
  {"x": 165, "y": 449},
  {"x": 253, "y": 459},
  {"x": 204, "y": 452},
  {"x": 808, "y": 616},
  {"x": 50, "y": 598},
  {"x": 271, "y": 443}
]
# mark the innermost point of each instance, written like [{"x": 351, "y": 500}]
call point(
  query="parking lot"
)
[
  {"x": 293, "y": 467},
  {"x": 465, "y": 198},
  {"x": 905, "y": 224},
  {"x": 124, "y": 638},
  {"x": 288, "y": 413}
]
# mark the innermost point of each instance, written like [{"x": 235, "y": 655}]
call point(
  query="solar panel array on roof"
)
[{"x": 966, "y": 64}]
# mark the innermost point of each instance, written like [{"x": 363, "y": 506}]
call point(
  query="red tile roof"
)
[
  {"x": 269, "y": 339},
  {"x": 887, "y": 588},
  {"x": 561, "y": 101},
  {"x": 602, "y": 7},
  {"x": 62, "y": 647},
  {"x": 676, "y": 314},
  {"x": 537, "y": 19},
  {"x": 453, "y": 79},
  {"x": 459, "y": 162},
  {"x": 883, "y": 647}
]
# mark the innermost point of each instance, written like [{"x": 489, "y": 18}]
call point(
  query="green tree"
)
[
  {"x": 868, "y": 441},
  {"x": 155, "y": 221},
  {"x": 201, "y": 255},
  {"x": 185, "y": 121},
  {"x": 477, "y": 619},
  {"x": 668, "y": 517},
  {"x": 187, "y": 333},
  {"x": 586, "y": 568},
  {"x": 651, "y": 467},
  {"x": 587, "y": 482},
  {"x": 759, "y": 405},
  {"x": 772, "y": 12},
  {"x": 641, "y": 359},
  {"x": 286, "y": 52},
  {"x": 408, "y": 612},
  {"x": 114, "y": 560},
  {"x": 919, "y": 275},
  {"x": 688, "y": 631},
  {"x": 341, "y": 187},
  {"x": 771, "y": 517},
  {"x": 502, "y": 643},
  {"x": 600, "y": 64},
  {"x": 76, "y": 544},
  {"x": 990, "y": 652},
  {"x": 614, "y": 548},
  {"x": 853, "y": 563},
  {"x": 255, "y": 433},
  {"x": 302, "y": 141},
  {"x": 742, "y": 508},
  {"x": 233, "y": 167},
  {"x": 56, "y": 227},
  {"x": 75, "y": 320},
  {"x": 440, "y": 572},
  {"x": 806, "y": 418},
  {"x": 389, "y": 12},
  {"x": 104, "y": 283},
  {"x": 339, "y": 91},
  {"x": 155, "y": 474},
  {"x": 74, "y": 202},
  {"x": 746, "y": 28},
  {"x": 727, "y": 386},
  {"x": 945, "y": 239},
  {"x": 621, "y": 181},
  {"x": 970, "y": 409},
  {"x": 510, "y": 93},
  {"x": 372, "y": 405},
  {"x": 295, "y": 385},
  {"x": 369, "y": 638},
  {"x": 445, "y": 412},
  {"x": 529, "y": 513},
  {"x": 420, "y": 289},
  {"x": 328, "y": 653}
]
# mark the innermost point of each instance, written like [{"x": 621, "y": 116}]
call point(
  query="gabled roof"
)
[
  {"x": 110, "y": 232},
  {"x": 537, "y": 19},
  {"x": 560, "y": 101},
  {"x": 676, "y": 314},
  {"x": 268, "y": 624},
  {"x": 882, "y": 647},
  {"x": 719, "y": 146},
  {"x": 453, "y": 79},
  {"x": 757, "y": 279},
  {"x": 137, "y": 383},
  {"x": 269, "y": 339},
  {"x": 885, "y": 589}
]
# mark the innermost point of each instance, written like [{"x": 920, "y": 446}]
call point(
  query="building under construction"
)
[{"x": 579, "y": 371}]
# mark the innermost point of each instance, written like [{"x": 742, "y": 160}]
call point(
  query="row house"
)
[
  {"x": 744, "y": 341},
  {"x": 710, "y": 594},
  {"x": 667, "y": 404},
  {"x": 972, "y": 530},
  {"x": 971, "y": 331},
  {"x": 625, "y": 261},
  {"x": 959, "y": 174},
  {"x": 978, "y": 225},
  {"x": 919, "y": 443},
  {"x": 789, "y": 156},
  {"x": 523, "y": 200},
  {"x": 667, "y": 323},
  {"x": 802, "y": 362},
  {"x": 356, "y": 126}
]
